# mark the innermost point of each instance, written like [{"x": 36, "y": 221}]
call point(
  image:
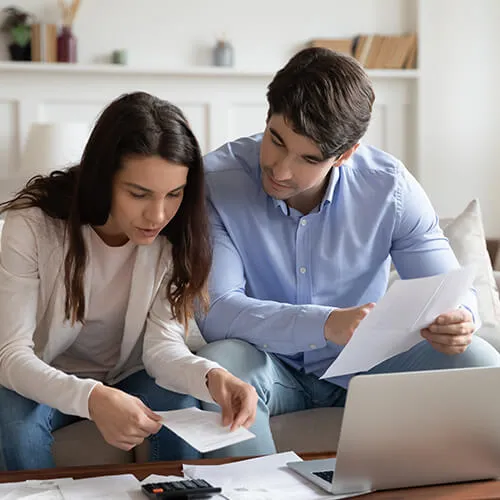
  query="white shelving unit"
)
[{"x": 112, "y": 69}]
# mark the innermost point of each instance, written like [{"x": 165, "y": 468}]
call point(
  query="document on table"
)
[
  {"x": 33, "y": 489},
  {"x": 263, "y": 478},
  {"x": 203, "y": 430},
  {"x": 393, "y": 326},
  {"x": 117, "y": 487}
]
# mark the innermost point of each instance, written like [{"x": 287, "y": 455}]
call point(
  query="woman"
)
[{"x": 101, "y": 266}]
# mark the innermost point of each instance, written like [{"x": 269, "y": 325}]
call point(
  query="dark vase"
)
[
  {"x": 18, "y": 53},
  {"x": 66, "y": 46}
]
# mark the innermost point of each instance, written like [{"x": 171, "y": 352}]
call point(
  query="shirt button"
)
[
  {"x": 303, "y": 222},
  {"x": 302, "y": 270},
  {"x": 265, "y": 346},
  {"x": 312, "y": 346}
]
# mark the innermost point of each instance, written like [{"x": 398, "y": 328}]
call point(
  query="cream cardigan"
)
[{"x": 33, "y": 331}]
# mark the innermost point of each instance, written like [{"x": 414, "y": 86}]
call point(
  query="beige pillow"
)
[{"x": 467, "y": 239}]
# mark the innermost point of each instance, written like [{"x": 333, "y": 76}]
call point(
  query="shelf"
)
[
  {"x": 204, "y": 71},
  {"x": 115, "y": 69},
  {"x": 393, "y": 73}
]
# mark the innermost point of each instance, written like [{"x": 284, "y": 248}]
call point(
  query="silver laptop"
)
[{"x": 414, "y": 429}]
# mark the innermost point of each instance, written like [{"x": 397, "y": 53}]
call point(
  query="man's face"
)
[
  {"x": 293, "y": 167},
  {"x": 147, "y": 192}
]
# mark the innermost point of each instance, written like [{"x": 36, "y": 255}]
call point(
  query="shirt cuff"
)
[{"x": 309, "y": 328}]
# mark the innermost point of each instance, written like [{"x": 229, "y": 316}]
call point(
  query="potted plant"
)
[{"x": 17, "y": 25}]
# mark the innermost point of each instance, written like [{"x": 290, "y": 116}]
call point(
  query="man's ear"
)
[{"x": 345, "y": 156}]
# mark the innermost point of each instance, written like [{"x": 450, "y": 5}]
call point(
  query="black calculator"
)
[{"x": 187, "y": 489}]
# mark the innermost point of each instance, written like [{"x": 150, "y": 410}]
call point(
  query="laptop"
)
[{"x": 414, "y": 429}]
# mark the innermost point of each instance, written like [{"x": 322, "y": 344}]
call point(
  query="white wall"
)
[
  {"x": 171, "y": 33},
  {"x": 458, "y": 101},
  {"x": 460, "y": 106}
]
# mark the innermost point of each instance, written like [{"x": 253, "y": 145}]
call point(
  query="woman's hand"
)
[
  {"x": 237, "y": 399},
  {"x": 123, "y": 420}
]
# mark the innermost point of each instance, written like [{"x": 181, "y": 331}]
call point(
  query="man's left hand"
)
[{"x": 451, "y": 332}]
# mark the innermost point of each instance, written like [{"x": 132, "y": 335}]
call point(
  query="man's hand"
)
[
  {"x": 341, "y": 323},
  {"x": 451, "y": 332},
  {"x": 123, "y": 420},
  {"x": 237, "y": 399}
]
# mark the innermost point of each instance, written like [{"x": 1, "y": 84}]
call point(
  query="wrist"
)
[
  {"x": 94, "y": 396},
  {"x": 213, "y": 373}
]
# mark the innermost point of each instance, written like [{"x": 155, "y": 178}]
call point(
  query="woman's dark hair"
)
[
  {"x": 134, "y": 124},
  {"x": 325, "y": 96}
]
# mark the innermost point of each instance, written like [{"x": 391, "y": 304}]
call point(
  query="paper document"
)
[
  {"x": 263, "y": 478},
  {"x": 202, "y": 429},
  {"x": 118, "y": 487},
  {"x": 393, "y": 326},
  {"x": 33, "y": 489}
]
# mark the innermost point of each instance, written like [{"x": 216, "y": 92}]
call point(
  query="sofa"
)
[{"x": 317, "y": 429}]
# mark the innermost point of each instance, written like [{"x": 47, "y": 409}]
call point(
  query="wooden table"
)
[{"x": 480, "y": 490}]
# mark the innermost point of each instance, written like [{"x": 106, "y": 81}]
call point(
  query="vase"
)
[
  {"x": 223, "y": 53},
  {"x": 66, "y": 45}
]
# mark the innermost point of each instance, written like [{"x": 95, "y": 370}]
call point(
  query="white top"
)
[
  {"x": 96, "y": 350},
  {"x": 34, "y": 332}
]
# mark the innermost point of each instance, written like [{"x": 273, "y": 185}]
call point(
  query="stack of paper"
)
[{"x": 263, "y": 478}]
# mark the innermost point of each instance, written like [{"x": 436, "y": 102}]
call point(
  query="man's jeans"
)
[
  {"x": 26, "y": 427},
  {"x": 283, "y": 389}
]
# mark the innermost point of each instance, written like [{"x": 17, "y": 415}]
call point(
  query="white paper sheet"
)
[
  {"x": 394, "y": 324},
  {"x": 118, "y": 487},
  {"x": 202, "y": 429},
  {"x": 263, "y": 478},
  {"x": 156, "y": 478},
  {"x": 33, "y": 490}
]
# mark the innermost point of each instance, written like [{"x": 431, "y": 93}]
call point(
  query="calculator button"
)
[
  {"x": 189, "y": 484},
  {"x": 177, "y": 485},
  {"x": 201, "y": 483}
]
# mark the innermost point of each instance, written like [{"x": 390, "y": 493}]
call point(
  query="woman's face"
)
[{"x": 146, "y": 194}]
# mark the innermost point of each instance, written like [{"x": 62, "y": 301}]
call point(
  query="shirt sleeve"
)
[
  {"x": 271, "y": 326},
  {"x": 21, "y": 370},
  {"x": 419, "y": 247}
]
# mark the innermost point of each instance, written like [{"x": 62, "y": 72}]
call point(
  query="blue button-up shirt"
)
[{"x": 278, "y": 274}]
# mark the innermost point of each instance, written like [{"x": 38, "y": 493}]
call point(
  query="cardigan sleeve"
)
[
  {"x": 166, "y": 356},
  {"x": 21, "y": 370}
]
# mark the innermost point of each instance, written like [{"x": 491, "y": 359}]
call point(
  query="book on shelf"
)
[
  {"x": 44, "y": 42},
  {"x": 375, "y": 51}
]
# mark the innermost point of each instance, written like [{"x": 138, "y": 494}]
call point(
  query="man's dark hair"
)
[{"x": 325, "y": 96}]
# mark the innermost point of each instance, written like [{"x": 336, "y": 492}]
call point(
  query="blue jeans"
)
[
  {"x": 26, "y": 426},
  {"x": 283, "y": 389}
]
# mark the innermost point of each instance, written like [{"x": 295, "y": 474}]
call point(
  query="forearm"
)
[
  {"x": 272, "y": 326},
  {"x": 23, "y": 372}
]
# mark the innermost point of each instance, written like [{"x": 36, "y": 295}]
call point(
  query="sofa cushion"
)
[
  {"x": 81, "y": 443},
  {"x": 315, "y": 430},
  {"x": 466, "y": 236}
]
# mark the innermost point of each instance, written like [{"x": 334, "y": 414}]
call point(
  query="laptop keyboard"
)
[{"x": 327, "y": 475}]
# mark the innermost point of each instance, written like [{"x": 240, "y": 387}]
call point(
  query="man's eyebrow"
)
[
  {"x": 315, "y": 158},
  {"x": 276, "y": 135},
  {"x": 307, "y": 157}
]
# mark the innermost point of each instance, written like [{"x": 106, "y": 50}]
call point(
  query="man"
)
[{"x": 306, "y": 221}]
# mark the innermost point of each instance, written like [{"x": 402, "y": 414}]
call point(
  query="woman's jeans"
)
[{"x": 26, "y": 427}]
